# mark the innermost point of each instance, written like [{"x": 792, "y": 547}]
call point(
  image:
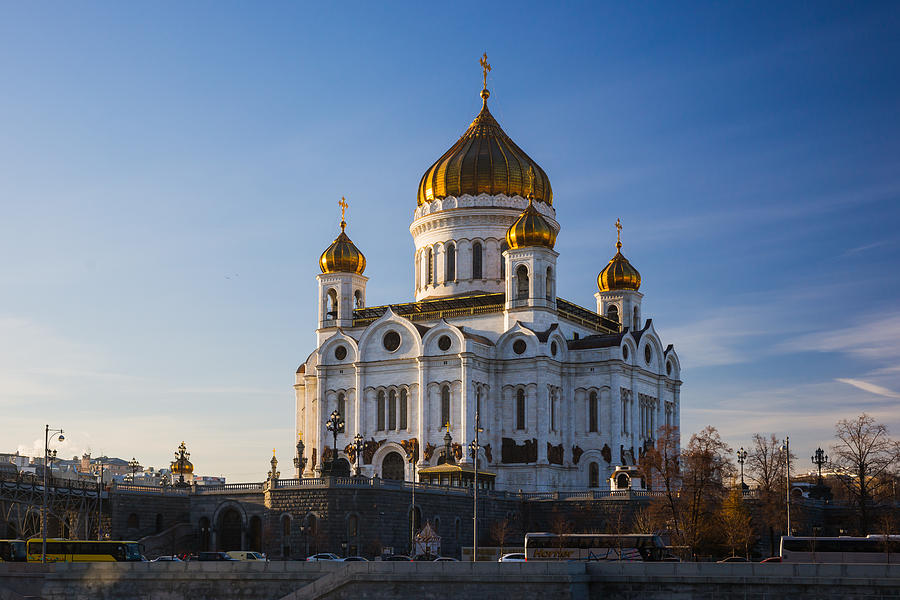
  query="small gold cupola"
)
[
  {"x": 342, "y": 256},
  {"x": 619, "y": 274},
  {"x": 531, "y": 228}
]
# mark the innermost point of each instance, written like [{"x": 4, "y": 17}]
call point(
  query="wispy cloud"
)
[
  {"x": 877, "y": 337},
  {"x": 869, "y": 387}
]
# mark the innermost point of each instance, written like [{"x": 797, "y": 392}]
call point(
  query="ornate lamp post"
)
[
  {"x": 48, "y": 435},
  {"x": 474, "y": 447},
  {"x": 413, "y": 460},
  {"x": 134, "y": 465},
  {"x": 786, "y": 448},
  {"x": 299, "y": 461},
  {"x": 181, "y": 459},
  {"x": 819, "y": 459},
  {"x": 358, "y": 446},
  {"x": 334, "y": 424},
  {"x": 741, "y": 457},
  {"x": 99, "y": 472}
]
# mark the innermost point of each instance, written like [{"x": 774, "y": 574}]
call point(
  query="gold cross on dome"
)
[
  {"x": 343, "y": 204},
  {"x": 485, "y": 67},
  {"x": 447, "y": 425},
  {"x": 618, "y": 233},
  {"x": 530, "y": 182}
]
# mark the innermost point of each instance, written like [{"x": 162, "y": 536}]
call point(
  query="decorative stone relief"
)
[
  {"x": 370, "y": 448},
  {"x": 411, "y": 447},
  {"x": 429, "y": 451},
  {"x": 488, "y": 453},
  {"x": 511, "y": 453},
  {"x": 576, "y": 454},
  {"x": 607, "y": 454},
  {"x": 555, "y": 454}
]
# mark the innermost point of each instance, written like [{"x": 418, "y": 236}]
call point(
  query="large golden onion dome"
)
[
  {"x": 483, "y": 161},
  {"x": 176, "y": 468},
  {"x": 619, "y": 274},
  {"x": 342, "y": 256}
]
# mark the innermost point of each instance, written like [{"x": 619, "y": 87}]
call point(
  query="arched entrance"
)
[
  {"x": 256, "y": 534},
  {"x": 392, "y": 467},
  {"x": 230, "y": 531},
  {"x": 341, "y": 468}
]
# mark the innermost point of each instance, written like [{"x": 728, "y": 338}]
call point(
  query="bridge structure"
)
[{"x": 75, "y": 509}]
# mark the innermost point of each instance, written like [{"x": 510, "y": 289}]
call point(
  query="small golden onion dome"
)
[
  {"x": 530, "y": 229},
  {"x": 178, "y": 470},
  {"x": 483, "y": 161},
  {"x": 342, "y": 256},
  {"x": 619, "y": 274}
]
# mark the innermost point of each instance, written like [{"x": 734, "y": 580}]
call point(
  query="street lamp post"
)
[
  {"x": 741, "y": 457},
  {"x": 819, "y": 459},
  {"x": 181, "y": 459},
  {"x": 413, "y": 459},
  {"x": 134, "y": 465},
  {"x": 334, "y": 424},
  {"x": 58, "y": 434},
  {"x": 100, "y": 503},
  {"x": 786, "y": 448},
  {"x": 358, "y": 446},
  {"x": 473, "y": 448}
]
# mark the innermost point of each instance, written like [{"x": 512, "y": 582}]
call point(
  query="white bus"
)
[
  {"x": 594, "y": 546},
  {"x": 871, "y": 549}
]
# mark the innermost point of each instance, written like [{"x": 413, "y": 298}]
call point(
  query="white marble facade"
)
[{"x": 591, "y": 396}]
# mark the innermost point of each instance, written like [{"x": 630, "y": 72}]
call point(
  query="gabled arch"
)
[
  {"x": 370, "y": 342},
  {"x": 517, "y": 331},
  {"x": 431, "y": 337},
  {"x": 325, "y": 353}
]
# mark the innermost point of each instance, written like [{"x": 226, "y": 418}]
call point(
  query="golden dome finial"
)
[
  {"x": 619, "y": 274},
  {"x": 343, "y": 204},
  {"x": 342, "y": 256},
  {"x": 485, "y": 68},
  {"x": 530, "y": 184}
]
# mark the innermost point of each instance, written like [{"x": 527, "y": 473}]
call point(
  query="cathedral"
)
[{"x": 556, "y": 394}]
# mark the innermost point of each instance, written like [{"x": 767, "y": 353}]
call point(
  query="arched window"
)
[
  {"x": 429, "y": 267},
  {"x": 445, "y": 405},
  {"x": 592, "y": 412},
  {"x": 636, "y": 321},
  {"x": 380, "y": 410},
  {"x": 285, "y": 535},
  {"x": 437, "y": 525},
  {"x": 450, "y": 271},
  {"x": 521, "y": 283},
  {"x": 403, "y": 409},
  {"x": 593, "y": 475},
  {"x": 552, "y": 411},
  {"x": 520, "y": 409},
  {"x": 549, "y": 282},
  {"x": 392, "y": 410},
  {"x": 357, "y": 295},
  {"x": 342, "y": 405},
  {"x": 476, "y": 260},
  {"x": 331, "y": 305},
  {"x": 503, "y": 248},
  {"x": 612, "y": 313}
]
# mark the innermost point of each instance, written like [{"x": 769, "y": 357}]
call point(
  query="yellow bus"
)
[
  {"x": 12, "y": 551},
  {"x": 84, "y": 551}
]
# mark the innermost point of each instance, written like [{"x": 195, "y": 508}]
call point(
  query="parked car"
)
[
  {"x": 397, "y": 557},
  {"x": 445, "y": 559},
  {"x": 245, "y": 555},
  {"x": 733, "y": 559},
  {"x": 323, "y": 556},
  {"x": 512, "y": 557},
  {"x": 212, "y": 556},
  {"x": 355, "y": 559},
  {"x": 166, "y": 559},
  {"x": 771, "y": 559}
]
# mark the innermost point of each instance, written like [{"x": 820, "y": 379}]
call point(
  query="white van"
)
[{"x": 245, "y": 555}]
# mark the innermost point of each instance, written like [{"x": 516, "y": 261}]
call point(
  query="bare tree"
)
[
  {"x": 765, "y": 466},
  {"x": 500, "y": 530},
  {"x": 863, "y": 454},
  {"x": 661, "y": 465},
  {"x": 737, "y": 528},
  {"x": 706, "y": 466}
]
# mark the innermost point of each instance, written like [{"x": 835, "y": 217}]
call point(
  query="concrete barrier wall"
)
[{"x": 383, "y": 580}]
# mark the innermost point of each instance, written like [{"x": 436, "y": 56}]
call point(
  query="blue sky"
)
[{"x": 169, "y": 174}]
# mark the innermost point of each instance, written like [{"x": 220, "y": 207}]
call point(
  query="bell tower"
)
[{"x": 342, "y": 286}]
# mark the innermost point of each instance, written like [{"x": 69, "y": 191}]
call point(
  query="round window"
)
[
  {"x": 519, "y": 347},
  {"x": 553, "y": 348},
  {"x": 625, "y": 352},
  {"x": 391, "y": 341},
  {"x": 444, "y": 342},
  {"x": 648, "y": 353},
  {"x": 668, "y": 368},
  {"x": 340, "y": 352}
]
